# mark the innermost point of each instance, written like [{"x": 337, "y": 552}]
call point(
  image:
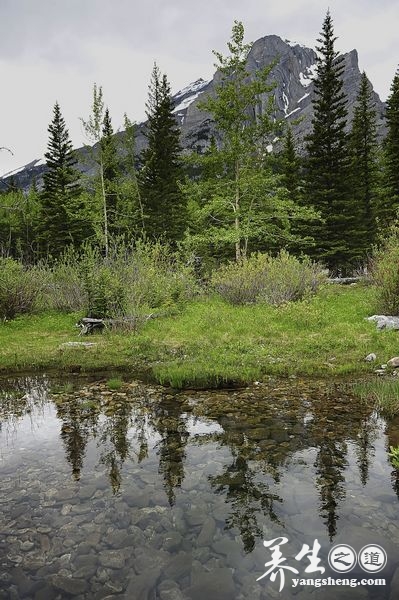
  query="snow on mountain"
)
[
  {"x": 308, "y": 75},
  {"x": 303, "y": 97},
  {"x": 192, "y": 88},
  {"x": 188, "y": 94},
  {"x": 293, "y": 44}
]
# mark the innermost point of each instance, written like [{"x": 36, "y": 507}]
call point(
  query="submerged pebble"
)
[{"x": 140, "y": 493}]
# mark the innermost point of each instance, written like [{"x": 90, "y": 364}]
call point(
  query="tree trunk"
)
[
  {"x": 236, "y": 211},
  {"x": 106, "y": 241}
]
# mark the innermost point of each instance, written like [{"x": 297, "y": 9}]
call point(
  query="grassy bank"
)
[{"x": 210, "y": 343}]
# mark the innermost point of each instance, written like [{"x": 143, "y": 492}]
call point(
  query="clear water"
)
[{"x": 144, "y": 494}]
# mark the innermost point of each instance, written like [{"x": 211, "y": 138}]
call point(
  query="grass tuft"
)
[
  {"x": 114, "y": 384},
  {"x": 382, "y": 393}
]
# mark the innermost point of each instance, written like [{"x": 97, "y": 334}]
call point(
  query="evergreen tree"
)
[
  {"x": 130, "y": 214},
  {"x": 391, "y": 201},
  {"x": 291, "y": 167},
  {"x": 328, "y": 162},
  {"x": 363, "y": 155},
  {"x": 62, "y": 209},
  {"x": 164, "y": 206},
  {"x": 110, "y": 171}
]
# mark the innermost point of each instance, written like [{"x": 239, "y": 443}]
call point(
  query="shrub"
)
[
  {"x": 157, "y": 277},
  {"x": 385, "y": 274},
  {"x": 135, "y": 280},
  {"x": 132, "y": 281},
  {"x": 20, "y": 289},
  {"x": 66, "y": 290},
  {"x": 263, "y": 278},
  {"x": 288, "y": 278}
]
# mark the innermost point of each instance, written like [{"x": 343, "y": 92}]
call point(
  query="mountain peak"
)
[{"x": 293, "y": 73}]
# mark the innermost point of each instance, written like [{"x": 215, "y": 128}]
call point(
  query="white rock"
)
[{"x": 385, "y": 321}]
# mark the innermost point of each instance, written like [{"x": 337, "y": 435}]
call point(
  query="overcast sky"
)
[{"x": 56, "y": 49}]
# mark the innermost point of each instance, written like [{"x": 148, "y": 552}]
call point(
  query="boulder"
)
[{"x": 385, "y": 321}]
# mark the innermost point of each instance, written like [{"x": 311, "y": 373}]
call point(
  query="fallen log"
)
[{"x": 88, "y": 325}]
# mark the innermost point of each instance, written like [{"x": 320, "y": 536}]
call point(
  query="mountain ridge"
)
[{"x": 293, "y": 75}]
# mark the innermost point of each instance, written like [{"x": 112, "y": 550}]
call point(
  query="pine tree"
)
[
  {"x": 110, "y": 171},
  {"x": 363, "y": 155},
  {"x": 391, "y": 201},
  {"x": 328, "y": 163},
  {"x": 131, "y": 218},
  {"x": 291, "y": 167},
  {"x": 164, "y": 206},
  {"x": 62, "y": 208}
]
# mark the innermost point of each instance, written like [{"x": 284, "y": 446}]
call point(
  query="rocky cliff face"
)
[
  {"x": 293, "y": 94},
  {"x": 293, "y": 74}
]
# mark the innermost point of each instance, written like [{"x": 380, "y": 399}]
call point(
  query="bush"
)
[
  {"x": 66, "y": 291},
  {"x": 385, "y": 275},
  {"x": 135, "y": 280},
  {"x": 20, "y": 289},
  {"x": 132, "y": 281},
  {"x": 263, "y": 278},
  {"x": 157, "y": 277}
]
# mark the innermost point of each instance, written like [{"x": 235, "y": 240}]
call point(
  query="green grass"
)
[
  {"x": 210, "y": 343},
  {"x": 32, "y": 343},
  {"x": 382, "y": 393},
  {"x": 114, "y": 383},
  {"x": 394, "y": 456}
]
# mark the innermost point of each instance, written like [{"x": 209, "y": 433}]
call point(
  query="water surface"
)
[{"x": 146, "y": 494}]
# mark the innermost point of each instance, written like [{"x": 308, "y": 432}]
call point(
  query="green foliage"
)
[
  {"x": 131, "y": 281},
  {"x": 114, "y": 383},
  {"x": 363, "y": 156},
  {"x": 385, "y": 274},
  {"x": 163, "y": 204},
  {"x": 111, "y": 171},
  {"x": 62, "y": 215},
  {"x": 65, "y": 290},
  {"x": 382, "y": 393},
  {"x": 328, "y": 159},
  {"x": 391, "y": 148},
  {"x": 19, "y": 217},
  {"x": 237, "y": 203},
  {"x": 234, "y": 187},
  {"x": 263, "y": 278},
  {"x": 394, "y": 456},
  {"x": 20, "y": 288},
  {"x": 106, "y": 293},
  {"x": 97, "y": 126}
]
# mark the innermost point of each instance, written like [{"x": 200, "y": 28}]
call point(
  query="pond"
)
[{"x": 141, "y": 493}]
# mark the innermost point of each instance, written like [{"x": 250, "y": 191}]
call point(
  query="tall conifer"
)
[
  {"x": 62, "y": 208},
  {"x": 391, "y": 196},
  {"x": 110, "y": 171},
  {"x": 363, "y": 155},
  {"x": 164, "y": 206},
  {"x": 328, "y": 163}
]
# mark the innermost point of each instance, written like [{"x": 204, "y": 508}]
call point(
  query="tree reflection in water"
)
[
  {"x": 263, "y": 434},
  {"x": 169, "y": 420}
]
